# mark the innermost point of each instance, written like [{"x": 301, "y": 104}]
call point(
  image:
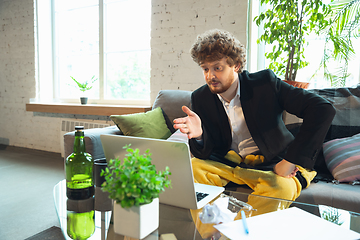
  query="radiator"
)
[{"x": 68, "y": 125}]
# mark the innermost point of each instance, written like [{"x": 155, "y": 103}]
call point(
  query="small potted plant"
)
[
  {"x": 83, "y": 87},
  {"x": 135, "y": 185}
]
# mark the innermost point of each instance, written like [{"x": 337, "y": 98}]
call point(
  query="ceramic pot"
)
[
  {"x": 297, "y": 84},
  {"x": 136, "y": 222},
  {"x": 83, "y": 100}
]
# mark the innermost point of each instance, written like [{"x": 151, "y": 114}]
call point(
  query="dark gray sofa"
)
[{"x": 322, "y": 191}]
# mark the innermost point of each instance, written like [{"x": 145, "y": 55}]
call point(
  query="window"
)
[
  {"x": 108, "y": 39},
  {"x": 313, "y": 54}
]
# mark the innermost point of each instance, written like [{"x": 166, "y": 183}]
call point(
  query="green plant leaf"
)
[
  {"x": 85, "y": 85},
  {"x": 343, "y": 26},
  {"x": 286, "y": 23},
  {"x": 134, "y": 181}
]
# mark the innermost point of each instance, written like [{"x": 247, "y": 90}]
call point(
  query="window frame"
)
[{"x": 45, "y": 47}]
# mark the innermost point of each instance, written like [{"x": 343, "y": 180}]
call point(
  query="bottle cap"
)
[{"x": 77, "y": 128}]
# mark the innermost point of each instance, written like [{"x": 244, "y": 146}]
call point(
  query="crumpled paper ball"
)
[{"x": 217, "y": 212}]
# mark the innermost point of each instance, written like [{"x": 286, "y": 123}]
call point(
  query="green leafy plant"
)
[
  {"x": 285, "y": 24},
  {"x": 134, "y": 181},
  {"x": 86, "y": 85},
  {"x": 332, "y": 215},
  {"x": 343, "y": 28}
]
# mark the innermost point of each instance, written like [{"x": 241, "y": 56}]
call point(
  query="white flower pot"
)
[{"x": 136, "y": 222}]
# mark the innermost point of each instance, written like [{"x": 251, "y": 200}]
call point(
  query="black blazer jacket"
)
[{"x": 263, "y": 98}]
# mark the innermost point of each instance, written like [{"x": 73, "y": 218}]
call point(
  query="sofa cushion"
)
[
  {"x": 346, "y": 101},
  {"x": 343, "y": 196},
  {"x": 149, "y": 125},
  {"x": 171, "y": 102},
  {"x": 347, "y": 104},
  {"x": 342, "y": 157}
]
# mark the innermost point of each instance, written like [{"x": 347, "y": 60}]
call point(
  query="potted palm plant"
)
[
  {"x": 339, "y": 34},
  {"x": 135, "y": 185},
  {"x": 285, "y": 25},
  {"x": 85, "y": 86}
]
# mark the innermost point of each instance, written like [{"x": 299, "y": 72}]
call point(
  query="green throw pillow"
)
[{"x": 149, "y": 125}]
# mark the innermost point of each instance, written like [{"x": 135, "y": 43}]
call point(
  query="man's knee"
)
[
  {"x": 277, "y": 187},
  {"x": 285, "y": 188}
]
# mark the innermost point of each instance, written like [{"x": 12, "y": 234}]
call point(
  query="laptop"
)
[{"x": 176, "y": 156}]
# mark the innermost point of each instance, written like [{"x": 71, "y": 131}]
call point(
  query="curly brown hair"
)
[{"x": 213, "y": 45}]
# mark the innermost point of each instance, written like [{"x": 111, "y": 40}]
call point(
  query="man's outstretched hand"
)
[{"x": 190, "y": 125}]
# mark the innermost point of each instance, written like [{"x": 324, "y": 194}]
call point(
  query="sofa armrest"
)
[{"x": 92, "y": 140}]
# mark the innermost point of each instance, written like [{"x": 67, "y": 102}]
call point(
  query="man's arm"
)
[
  {"x": 270, "y": 134},
  {"x": 317, "y": 114}
]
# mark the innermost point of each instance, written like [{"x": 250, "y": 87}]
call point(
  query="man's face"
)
[{"x": 219, "y": 75}]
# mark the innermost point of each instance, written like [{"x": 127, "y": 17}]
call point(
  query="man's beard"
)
[{"x": 216, "y": 90}]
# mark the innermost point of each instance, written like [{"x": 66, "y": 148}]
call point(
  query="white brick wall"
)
[
  {"x": 174, "y": 29},
  {"x": 175, "y": 26},
  {"x": 17, "y": 81}
]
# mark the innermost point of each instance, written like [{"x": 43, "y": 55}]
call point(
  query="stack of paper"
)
[{"x": 292, "y": 223}]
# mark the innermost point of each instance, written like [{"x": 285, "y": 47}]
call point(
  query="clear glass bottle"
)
[{"x": 79, "y": 170}]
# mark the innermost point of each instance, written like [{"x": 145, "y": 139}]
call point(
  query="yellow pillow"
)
[{"x": 149, "y": 125}]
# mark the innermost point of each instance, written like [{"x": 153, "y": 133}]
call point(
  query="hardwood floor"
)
[{"x": 27, "y": 178}]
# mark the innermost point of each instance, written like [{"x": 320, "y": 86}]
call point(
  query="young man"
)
[{"x": 235, "y": 127}]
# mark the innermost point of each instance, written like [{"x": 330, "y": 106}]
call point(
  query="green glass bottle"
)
[
  {"x": 79, "y": 170},
  {"x": 80, "y": 218},
  {"x": 80, "y": 226}
]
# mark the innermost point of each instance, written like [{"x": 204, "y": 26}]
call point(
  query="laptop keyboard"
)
[{"x": 200, "y": 196}]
